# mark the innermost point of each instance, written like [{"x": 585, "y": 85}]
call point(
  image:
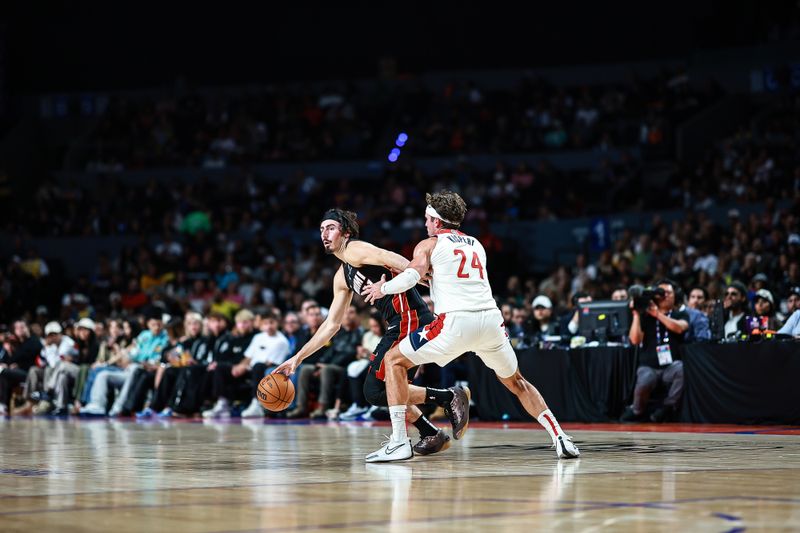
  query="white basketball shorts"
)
[{"x": 452, "y": 334}]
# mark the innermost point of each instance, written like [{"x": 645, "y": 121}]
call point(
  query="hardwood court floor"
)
[{"x": 124, "y": 476}]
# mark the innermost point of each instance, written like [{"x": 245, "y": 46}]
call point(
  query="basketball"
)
[{"x": 275, "y": 392}]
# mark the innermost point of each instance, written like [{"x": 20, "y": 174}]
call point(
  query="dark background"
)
[{"x": 63, "y": 46}]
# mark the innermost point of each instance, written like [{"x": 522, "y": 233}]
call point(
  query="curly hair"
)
[
  {"x": 347, "y": 219},
  {"x": 450, "y": 205}
]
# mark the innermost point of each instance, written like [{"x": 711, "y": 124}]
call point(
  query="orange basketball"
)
[{"x": 275, "y": 392}]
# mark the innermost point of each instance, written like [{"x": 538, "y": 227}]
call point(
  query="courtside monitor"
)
[{"x": 604, "y": 320}]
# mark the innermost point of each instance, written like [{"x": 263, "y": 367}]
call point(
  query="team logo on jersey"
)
[{"x": 358, "y": 282}]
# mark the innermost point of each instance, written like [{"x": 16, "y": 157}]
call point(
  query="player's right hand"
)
[
  {"x": 425, "y": 281},
  {"x": 288, "y": 367}
]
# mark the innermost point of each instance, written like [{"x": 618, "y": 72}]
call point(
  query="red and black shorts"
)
[{"x": 374, "y": 386}]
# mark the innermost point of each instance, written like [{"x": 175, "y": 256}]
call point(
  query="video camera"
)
[{"x": 643, "y": 296}]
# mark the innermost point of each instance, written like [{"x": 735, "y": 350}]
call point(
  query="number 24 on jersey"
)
[{"x": 476, "y": 264}]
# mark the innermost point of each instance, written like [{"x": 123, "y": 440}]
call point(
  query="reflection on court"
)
[{"x": 125, "y": 476}]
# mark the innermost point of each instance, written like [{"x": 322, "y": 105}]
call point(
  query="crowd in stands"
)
[
  {"x": 756, "y": 164},
  {"x": 146, "y": 362},
  {"x": 216, "y": 129},
  {"x": 217, "y": 290},
  {"x": 511, "y": 191}
]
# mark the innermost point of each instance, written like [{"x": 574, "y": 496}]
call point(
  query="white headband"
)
[{"x": 430, "y": 211}]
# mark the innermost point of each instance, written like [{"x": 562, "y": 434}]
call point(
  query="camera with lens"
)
[{"x": 642, "y": 297}]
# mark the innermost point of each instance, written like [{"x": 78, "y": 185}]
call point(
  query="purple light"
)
[
  {"x": 395, "y": 151},
  {"x": 401, "y": 139},
  {"x": 393, "y": 157}
]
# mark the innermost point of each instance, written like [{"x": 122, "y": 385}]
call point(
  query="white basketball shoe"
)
[
  {"x": 566, "y": 449},
  {"x": 391, "y": 451}
]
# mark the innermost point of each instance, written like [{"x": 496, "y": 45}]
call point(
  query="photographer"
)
[{"x": 659, "y": 329}]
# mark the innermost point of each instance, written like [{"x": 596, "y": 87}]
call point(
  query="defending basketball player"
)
[
  {"x": 362, "y": 263},
  {"x": 467, "y": 320}
]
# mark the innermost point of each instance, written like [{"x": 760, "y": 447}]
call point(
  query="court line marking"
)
[
  {"x": 668, "y": 505},
  {"x": 366, "y": 481},
  {"x": 580, "y": 507}
]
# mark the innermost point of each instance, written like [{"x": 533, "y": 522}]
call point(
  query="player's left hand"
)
[
  {"x": 288, "y": 367},
  {"x": 372, "y": 291}
]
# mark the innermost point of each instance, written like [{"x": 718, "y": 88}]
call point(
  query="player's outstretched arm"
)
[
  {"x": 363, "y": 253},
  {"x": 342, "y": 296},
  {"x": 417, "y": 269}
]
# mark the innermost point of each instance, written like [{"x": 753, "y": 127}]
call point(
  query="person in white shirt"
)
[
  {"x": 468, "y": 320},
  {"x": 267, "y": 350},
  {"x": 735, "y": 304},
  {"x": 41, "y": 380}
]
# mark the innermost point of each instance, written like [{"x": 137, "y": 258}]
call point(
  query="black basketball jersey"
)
[{"x": 403, "y": 307}]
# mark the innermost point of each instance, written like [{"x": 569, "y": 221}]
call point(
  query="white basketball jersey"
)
[{"x": 460, "y": 281}]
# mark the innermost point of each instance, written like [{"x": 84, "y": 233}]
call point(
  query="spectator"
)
[
  {"x": 58, "y": 350},
  {"x": 698, "y": 297},
  {"x": 508, "y": 314},
  {"x": 14, "y": 368},
  {"x": 568, "y": 324},
  {"x": 519, "y": 333},
  {"x": 111, "y": 355},
  {"x": 195, "y": 381},
  {"x": 699, "y": 329},
  {"x": 189, "y": 350},
  {"x": 764, "y": 308},
  {"x": 72, "y": 364},
  {"x": 792, "y": 302},
  {"x": 147, "y": 362},
  {"x": 357, "y": 370},
  {"x": 268, "y": 349},
  {"x": 329, "y": 368},
  {"x": 792, "y": 325},
  {"x": 735, "y": 304},
  {"x": 620, "y": 294},
  {"x": 145, "y": 352},
  {"x": 543, "y": 324},
  {"x": 229, "y": 376},
  {"x": 659, "y": 332},
  {"x": 291, "y": 330}
]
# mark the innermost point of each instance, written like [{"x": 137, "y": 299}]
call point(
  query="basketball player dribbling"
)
[
  {"x": 362, "y": 263},
  {"x": 467, "y": 320}
]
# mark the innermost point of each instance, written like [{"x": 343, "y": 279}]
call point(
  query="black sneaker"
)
[
  {"x": 458, "y": 411},
  {"x": 661, "y": 414},
  {"x": 432, "y": 444},
  {"x": 630, "y": 416}
]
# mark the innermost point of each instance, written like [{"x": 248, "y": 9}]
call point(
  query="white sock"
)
[
  {"x": 397, "y": 414},
  {"x": 548, "y": 420}
]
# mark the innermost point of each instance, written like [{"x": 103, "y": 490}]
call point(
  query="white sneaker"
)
[
  {"x": 566, "y": 449},
  {"x": 353, "y": 412},
  {"x": 92, "y": 410},
  {"x": 254, "y": 410},
  {"x": 221, "y": 409},
  {"x": 366, "y": 416},
  {"x": 332, "y": 415},
  {"x": 391, "y": 451},
  {"x": 3, "y": 410}
]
